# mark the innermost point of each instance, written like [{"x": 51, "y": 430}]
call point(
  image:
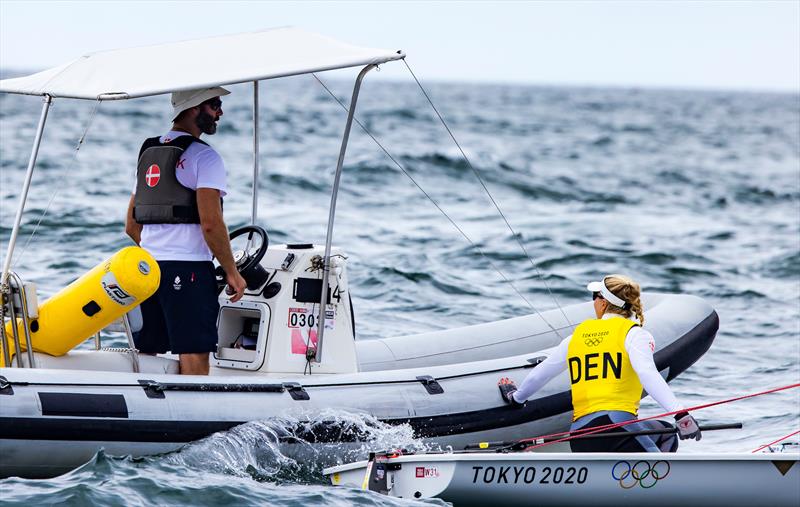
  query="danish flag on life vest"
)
[{"x": 153, "y": 175}]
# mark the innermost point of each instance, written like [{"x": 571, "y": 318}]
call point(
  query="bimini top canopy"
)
[{"x": 152, "y": 70}]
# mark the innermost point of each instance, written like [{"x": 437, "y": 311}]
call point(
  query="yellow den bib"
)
[{"x": 600, "y": 371}]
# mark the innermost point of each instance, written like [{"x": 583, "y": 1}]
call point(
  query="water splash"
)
[
  {"x": 274, "y": 462},
  {"x": 126, "y": 482},
  {"x": 292, "y": 449}
]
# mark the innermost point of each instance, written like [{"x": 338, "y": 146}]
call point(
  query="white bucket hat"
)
[
  {"x": 607, "y": 294},
  {"x": 181, "y": 101}
]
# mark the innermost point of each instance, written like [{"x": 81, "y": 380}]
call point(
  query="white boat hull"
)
[
  {"x": 52, "y": 420},
  {"x": 581, "y": 479}
]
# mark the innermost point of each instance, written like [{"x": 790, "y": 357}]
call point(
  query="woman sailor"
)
[{"x": 610, "y": 360}]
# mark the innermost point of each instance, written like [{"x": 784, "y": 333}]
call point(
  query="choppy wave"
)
[
  {"x": 787, "y": 265},
  {"x": 127, "y": 482},
  {"x": 251, "y": 464}
]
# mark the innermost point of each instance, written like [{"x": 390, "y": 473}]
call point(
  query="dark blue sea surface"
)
[{"x": 692, "y": 192}]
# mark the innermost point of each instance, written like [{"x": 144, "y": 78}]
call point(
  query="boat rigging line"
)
[
  {"x": 776, "y": 441},
  {"x": 564, "y": 436},
  {"x": 521, "y": 446},
  {"x": 72, "y": 162},
  {"x": 442, "y": 211},
  {"x": 486, "y": 189}
]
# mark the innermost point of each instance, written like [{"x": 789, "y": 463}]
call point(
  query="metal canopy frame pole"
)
[
  {"x": 323, "y": 298},
  {"x": 254, "y": 213},
  {"x": 23, "y": 305},
  {"x": 25, "y": 187}
]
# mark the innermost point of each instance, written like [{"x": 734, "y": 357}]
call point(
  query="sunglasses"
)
[
  {"x": 215, "y": 104},
  {"x": 596, "y": 295}
]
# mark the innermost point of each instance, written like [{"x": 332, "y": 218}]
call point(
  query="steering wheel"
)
[{"x": 247, "y": 260}]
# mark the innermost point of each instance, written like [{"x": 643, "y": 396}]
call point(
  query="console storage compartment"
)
[{"x": 243, "y": 328}]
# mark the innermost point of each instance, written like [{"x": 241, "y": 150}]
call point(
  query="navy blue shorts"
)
[{"x": 181, "y": 316}]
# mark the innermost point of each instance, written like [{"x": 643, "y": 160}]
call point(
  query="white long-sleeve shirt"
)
[{"x": 639, "y": 344}]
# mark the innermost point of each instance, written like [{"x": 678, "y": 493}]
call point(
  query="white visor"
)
[{"x": 607, "y": 294}]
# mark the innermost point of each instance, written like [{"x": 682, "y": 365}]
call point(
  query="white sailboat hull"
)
[{"x": 580, "y": 479}]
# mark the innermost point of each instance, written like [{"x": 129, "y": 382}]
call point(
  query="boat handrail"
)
[{"x": 15, "y": 287}]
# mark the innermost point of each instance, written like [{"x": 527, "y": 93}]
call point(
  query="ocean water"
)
[{"x": 686, "y": 191}]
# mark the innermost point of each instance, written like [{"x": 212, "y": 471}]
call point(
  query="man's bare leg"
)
[{"x": 194, "y": 364}]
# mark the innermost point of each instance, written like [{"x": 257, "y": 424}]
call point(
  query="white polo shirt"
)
[{"x": 200, "y": 166}]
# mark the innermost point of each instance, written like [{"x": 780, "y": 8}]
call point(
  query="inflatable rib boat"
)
[
  {"x": 288, "y": 346},
  {"x": 443, "y": 384}
]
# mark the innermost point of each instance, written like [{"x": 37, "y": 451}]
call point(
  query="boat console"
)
[{"x": 273, "y": 328}]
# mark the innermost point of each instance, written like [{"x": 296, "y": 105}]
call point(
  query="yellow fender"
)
[{"x": 90, "y": 303}]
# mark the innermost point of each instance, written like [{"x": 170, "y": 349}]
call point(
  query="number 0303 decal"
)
[
  {"x": 305, "y": 318},
  {"x": 301, "y": 317}
]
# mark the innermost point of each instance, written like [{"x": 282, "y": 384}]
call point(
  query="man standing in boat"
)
[
  {"x": 175, "y": 213},
  {"x": 610, "y": 361}
]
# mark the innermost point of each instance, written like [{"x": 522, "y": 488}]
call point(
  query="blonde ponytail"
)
[
  {"x": 638, "y": 311},
  {"x": 629, "y": 291}
]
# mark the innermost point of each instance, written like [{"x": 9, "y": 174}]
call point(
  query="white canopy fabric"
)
[{"x": 164, "y": 68}]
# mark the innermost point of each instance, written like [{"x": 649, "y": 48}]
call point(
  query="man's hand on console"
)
[{"x": 236, "y": 286}]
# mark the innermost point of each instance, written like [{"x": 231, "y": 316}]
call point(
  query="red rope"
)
[
  {"x": 569, "y": 435},
  {"x": 775, "y": 442}
]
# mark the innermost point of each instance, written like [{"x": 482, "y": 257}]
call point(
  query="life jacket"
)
[
  {"x": 600, "y": 370},
  {"x": 160, "y": 197}
]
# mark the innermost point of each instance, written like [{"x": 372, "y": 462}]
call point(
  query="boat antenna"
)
[
  {"x": 58, "y": 187},
  {"x": 442, "y": 211},
  {"x": 485, "y": 188}
]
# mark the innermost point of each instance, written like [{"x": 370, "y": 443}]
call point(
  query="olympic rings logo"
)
[
  {"x": 642, "y": 473},
  {"x": 593, "y": 342}
]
